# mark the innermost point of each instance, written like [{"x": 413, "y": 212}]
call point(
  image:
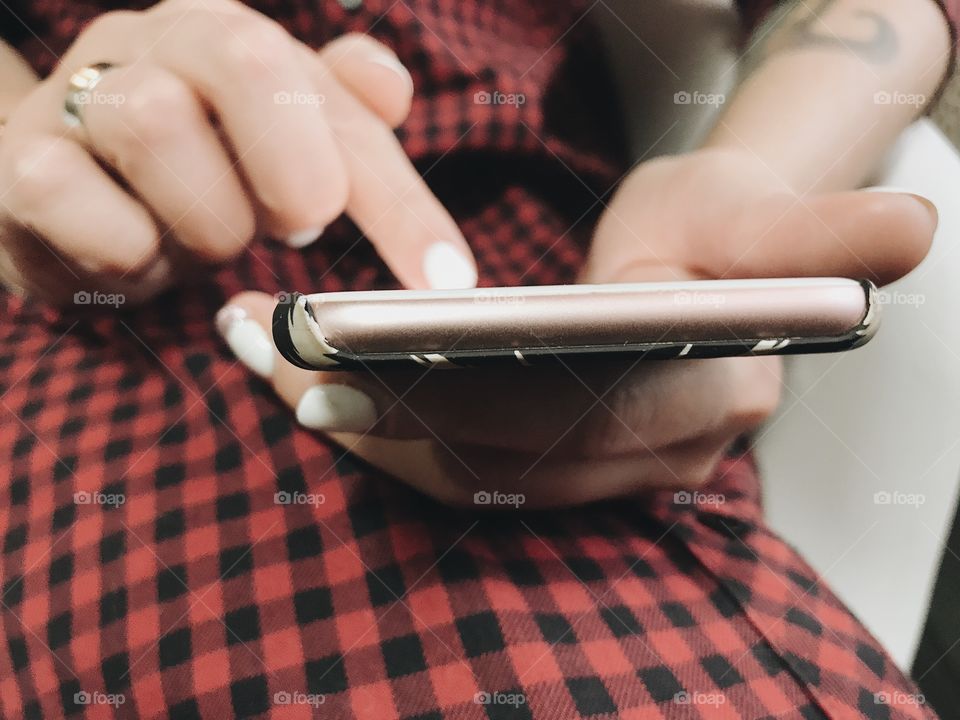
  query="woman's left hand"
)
[{"x": 565, "y": 435}]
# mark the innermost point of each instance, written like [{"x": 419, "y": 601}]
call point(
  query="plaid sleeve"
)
[{"x": 12, "y": 30}]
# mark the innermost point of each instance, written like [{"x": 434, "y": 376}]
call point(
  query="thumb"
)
[{"x": 876, "y": 235}]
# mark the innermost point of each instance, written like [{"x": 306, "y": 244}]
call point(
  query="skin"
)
[
  {"x": 186, "y": 173},
  {"x": 769, "y": 194},
  {"x": 880, "y": 45}
]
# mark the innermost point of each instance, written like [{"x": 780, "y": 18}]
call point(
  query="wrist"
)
[{"x": 749, "y": 162}]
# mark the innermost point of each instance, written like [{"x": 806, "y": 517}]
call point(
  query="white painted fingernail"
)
[
  {"x": 391, "y": 63},
  {"x": 446, "y": 267},
  {"x": 302, "y": 238},
  {"x": 247, "y": 340},
  {"x": 337, "y": 408}
]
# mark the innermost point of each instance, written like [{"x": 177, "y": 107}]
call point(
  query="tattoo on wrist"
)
[
  {"x": 880, "y": 46},
  {"x": 801, "y": 26}
]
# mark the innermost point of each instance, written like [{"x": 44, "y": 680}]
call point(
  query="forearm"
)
[
  {"x": 16, "y": 79},
  {"x": 833, "y": 83}
]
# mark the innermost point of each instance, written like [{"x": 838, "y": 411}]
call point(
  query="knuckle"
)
[
  {"x": 757, "y": 401},
  {"x": 254, "y": 46},
  {"x": 604, "y": 434},
  {"x": 353, "y": 38},
  {"x": 362, "y": 44},
  {"x": 243, "y": 229},
  {"x": 155, "y": 111},
  {"x": 108, "y": 26},
  {"x": 35, "y": 170},
  {"x": 191, "y": 5},
  {"x": 225, "y": 239},
  {"x": 132, "y": 259},
  {"x": 305, "y": 199}
]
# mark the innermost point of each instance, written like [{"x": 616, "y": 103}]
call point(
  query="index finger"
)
[{"x": 389, "y": 200}]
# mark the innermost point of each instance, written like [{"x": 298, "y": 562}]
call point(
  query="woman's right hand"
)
[{"x": 213, "y": 127}]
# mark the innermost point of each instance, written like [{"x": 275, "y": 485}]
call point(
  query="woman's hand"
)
[
  {"x": 570, "y": 434},
  {"x": 213, "y": 126}
]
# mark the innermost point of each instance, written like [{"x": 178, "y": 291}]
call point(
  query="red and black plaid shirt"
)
[{"x": 199, "y": 596}]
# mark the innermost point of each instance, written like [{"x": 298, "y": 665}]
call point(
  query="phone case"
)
[{"x": 655, "y": 321}]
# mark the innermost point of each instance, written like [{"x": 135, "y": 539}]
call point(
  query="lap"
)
[{"x": 253, "y": 569}]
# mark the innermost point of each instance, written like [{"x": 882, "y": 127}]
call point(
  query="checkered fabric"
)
[{"x": 200, "y": 596}]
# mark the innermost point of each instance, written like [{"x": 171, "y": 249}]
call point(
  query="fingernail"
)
[
  {"x": 922, "y": 199},
  {"x": 928, "y": 204},
  {"x": 247, "y": 340},
  {"x": 337, "y": 408},
  {"x": 391, "y": 63},
  {"x": 302, "y": 238},
  {"x": 446, "y": 267}
]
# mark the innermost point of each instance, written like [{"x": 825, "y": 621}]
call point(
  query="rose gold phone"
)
[{"x": 535, "y": 325}]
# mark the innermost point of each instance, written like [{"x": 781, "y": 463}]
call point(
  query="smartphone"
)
[{"x": 548, "y": 324}]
